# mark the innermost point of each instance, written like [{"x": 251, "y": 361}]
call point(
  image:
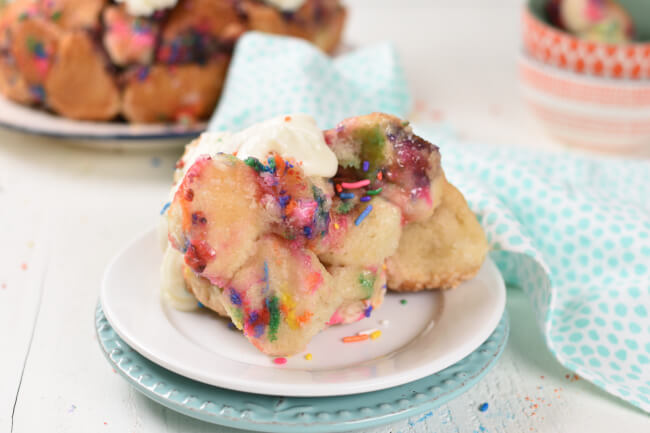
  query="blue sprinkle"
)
[
  {"x": 143, "y": 73},
  {"x": 234, "y": 297},
  {"x": 200, "y": 305},
  {"x": 259, "y": 330},
  {"x": 346, "y": 195},
  {"x": 363, "y": 215},
  {"x": 284, "y": 200},
  {"x": 165, "y": 207},
  {"x": 365, "y": 198},
  {"x": 307, "y": 231},
  {"x": 483, "y": 407},
  {"x": 366, "y": 165},
  {"x": 367, "y": 311},
  {"x": 266, "y": 276}
]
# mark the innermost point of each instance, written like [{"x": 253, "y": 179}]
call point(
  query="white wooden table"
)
[{"x": 64, "y": 211}]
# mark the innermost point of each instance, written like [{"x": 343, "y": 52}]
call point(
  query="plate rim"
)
[
  {"x": 138, "y": 372},
  {"x": 297, "y": 390},
  {"x": 166, "y": 130}
]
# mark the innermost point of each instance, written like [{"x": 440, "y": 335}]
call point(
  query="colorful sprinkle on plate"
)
[
  {"x": 403, "y": 301},
  {"x": 280, "y": 361},
  {"x": 308, "y": 357},
  {"x": 483, "y": 407}
]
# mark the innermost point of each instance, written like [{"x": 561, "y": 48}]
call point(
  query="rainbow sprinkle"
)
[
  {"x": 375, "y": 335},
  {"x": 355, "y": 338},
  {"x": 363, "y": 215},
  {"x": 280, "y": 361},
  {"x": 274, "y": 321},
  {"x": 365, "y": 198},
  {"x": 355, "y": 185},
  {"x": 346, "y": 195},
  {"x": 374, "y": 191},
  {"x": 308, "y": 357},
  {"x": 165, "y": 207},
  {"x": 366, "y": 165}
]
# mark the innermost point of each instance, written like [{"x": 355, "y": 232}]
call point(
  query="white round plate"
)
[
  {"x": 95, "y": 134},
  {"x": 427, "y": 333}
]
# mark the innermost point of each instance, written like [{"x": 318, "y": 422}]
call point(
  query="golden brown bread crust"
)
[
  {"x": 441, "y": 252},
  {"x": 171, "y": 92},
  {"x": 186, "y": 38},
  {"x": 78, "y": 86}
]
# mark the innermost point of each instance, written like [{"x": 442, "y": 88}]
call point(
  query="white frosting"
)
[
  {"x": 172, "y": 284},
  {"x": 146, "y": 7},
  {"x": 296, "y": 136},
  {"x": 286, "y": 5}
]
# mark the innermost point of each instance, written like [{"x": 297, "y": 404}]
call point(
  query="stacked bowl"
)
[{"x": 588, "y": 94}]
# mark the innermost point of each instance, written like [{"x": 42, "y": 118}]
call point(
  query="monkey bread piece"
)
[
  {"x": 78, "y": 85},
  {"x": 390, "y": 160},
  {"x": 128, "y": 39},
  {"x": 172, "y": 93},
  {"x": 362, "y": 288},
  {"x": 360, "y": 241},
  {"x": 281, "y": 297},
  {"x": 441, "y": 252}
]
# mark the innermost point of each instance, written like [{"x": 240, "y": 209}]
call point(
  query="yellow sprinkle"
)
[
  {"x": 383, "y": 266},
  {"x": 308, "y": 357},
  {"x": 375, "y": 335},
  {"x": 336, "y": 226}
]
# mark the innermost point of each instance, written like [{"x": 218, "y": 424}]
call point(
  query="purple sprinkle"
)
[
  {"x": 143, "y": 73},
  {"x": 346, "y": 195},
  {"x": 259, "y": 330},
  {"x": 365, "y": 198},
  {"x": 234, "y": 297},
  {"x": 253, "y": 317},
  {"x": 367, "y": 311},
  {"x": 366, "y": 165},
  {"x": 363, "y": 215}
]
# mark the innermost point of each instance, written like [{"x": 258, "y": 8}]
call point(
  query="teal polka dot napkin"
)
[
  {"x": 572, "y": 231},
  {"x": 274, "y": 75}
]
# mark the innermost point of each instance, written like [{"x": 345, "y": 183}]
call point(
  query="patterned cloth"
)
[{"x": 572, "y": 231}]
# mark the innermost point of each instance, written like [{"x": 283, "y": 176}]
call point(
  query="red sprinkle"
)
[
  {"x": 280, "y": 361},
  {"x": 380, "y": 175},
  {"x": 339, "y": 188},
  {"x": 287, "y": 119},
  {"x": 353, "y": 185}
]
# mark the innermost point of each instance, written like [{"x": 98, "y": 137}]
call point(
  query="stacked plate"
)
[{"x": 433, "y": 346}]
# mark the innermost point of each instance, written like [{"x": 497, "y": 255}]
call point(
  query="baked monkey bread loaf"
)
[{"x": 142, "y": 60}]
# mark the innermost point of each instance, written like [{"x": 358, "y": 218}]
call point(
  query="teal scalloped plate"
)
[{"x": 296, "y": 414}]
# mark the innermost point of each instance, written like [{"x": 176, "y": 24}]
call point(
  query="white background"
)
[{"x": 65, "y": 211}]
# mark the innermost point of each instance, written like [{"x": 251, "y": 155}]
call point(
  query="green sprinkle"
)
[
  {"x": 367, "y": 282},
  {"x": 405, "y": 123},
  {"x": 345, "y": 207},
  {"x": 238, "y": 318},
  {"x": 254, "y": 164},
  {"x": 403, "y": 302},
  {"x": 374, "y": 191},
  {"x": 56, "y": 16},
  {"x": 274, "y": 320}
]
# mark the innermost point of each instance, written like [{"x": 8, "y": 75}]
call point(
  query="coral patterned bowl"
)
[
  {"x": 605, "y": 114},
  {"x": 563, "y": 50}
]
